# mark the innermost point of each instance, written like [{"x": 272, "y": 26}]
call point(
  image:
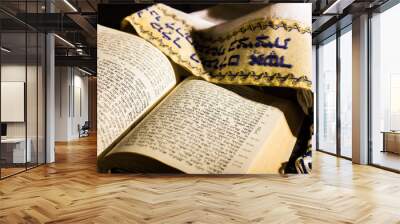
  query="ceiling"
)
[
  {"x": 23, "y": 21},
  {"x": 75, "y": 21}
]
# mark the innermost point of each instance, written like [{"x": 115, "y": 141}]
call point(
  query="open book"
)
[{"x": 153, "y": 118}]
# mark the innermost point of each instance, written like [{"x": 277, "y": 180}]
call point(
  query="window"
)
[
  {"x": 22, "y": 77},
  {"x": 346, "y": 92},
  {"x": 327, "y": 96},
  {"x": 385, "y": 89},
  {"x": 334, "y": 106}
]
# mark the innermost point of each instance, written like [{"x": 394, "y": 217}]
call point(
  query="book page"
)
[
  {"x": 132, "y": 76},
  {"x": 204, "y": 128}
]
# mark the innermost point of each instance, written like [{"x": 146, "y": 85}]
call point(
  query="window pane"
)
[
  {"x": 385, "y": 84},
  {"x": 15, "y": 150},
  {"x": 345, "y": 94},
  {"x": 327, "y": 96}
]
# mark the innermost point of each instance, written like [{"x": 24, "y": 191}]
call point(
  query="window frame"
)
[
  {"x": 334, "y": 37},
  {"x": 378, "y": 10}
]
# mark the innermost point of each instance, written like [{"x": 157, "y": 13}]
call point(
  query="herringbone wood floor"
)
[{"x": 71, "y": 191}]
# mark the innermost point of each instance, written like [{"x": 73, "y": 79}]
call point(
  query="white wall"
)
[
  {"x": 79, "y": 111},
  {"x": 17, "y": 72},
  {"x": 33, "y": 127},
  {"x": 71, "y": 102},
  {"x": 14, "y": 72},
  {"x": 62, "y": 82}
]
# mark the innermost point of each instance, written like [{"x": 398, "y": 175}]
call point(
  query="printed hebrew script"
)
[
  {"x": 204, "y": 128},
  {"x": 261, "y": 51},
  {"x": 128, "y": 83}
]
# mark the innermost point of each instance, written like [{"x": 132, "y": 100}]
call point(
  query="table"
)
[
  {"x": 16, "y": 147},
  {"x": 391, "y": 141}
]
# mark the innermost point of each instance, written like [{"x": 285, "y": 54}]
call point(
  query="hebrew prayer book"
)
[{"x": 156, "y": 115}]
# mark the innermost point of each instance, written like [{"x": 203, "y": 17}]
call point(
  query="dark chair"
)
[{"x": 84, "y": 130}]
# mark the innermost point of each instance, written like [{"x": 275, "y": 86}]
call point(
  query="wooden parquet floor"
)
[{"x": 71, "y": 191}]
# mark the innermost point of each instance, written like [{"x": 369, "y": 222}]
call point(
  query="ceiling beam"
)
[
  {"x": 320, "y": 22},
  {"x": 86, "y": 26},
  {"x": 81, "y": 61},
  {"x": 337, "y": 7}
]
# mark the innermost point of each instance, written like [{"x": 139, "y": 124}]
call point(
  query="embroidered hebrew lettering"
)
[{"x": 261, "y": 51}]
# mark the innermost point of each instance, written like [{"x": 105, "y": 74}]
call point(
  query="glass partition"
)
[
  {"x": 346, "y": 92},
  {"x": 14, "y": 154},
  {"x": 22, "y": 77},
  {"x": 327, "y": 96},
  {"x": 385, "y": 89},
  {"x": 334, "y": 96}
]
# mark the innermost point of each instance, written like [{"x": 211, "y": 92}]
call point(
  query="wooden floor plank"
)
[{"x": 71, "y": 191}]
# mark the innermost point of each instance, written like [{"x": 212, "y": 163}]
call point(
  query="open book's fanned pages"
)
[
  {"x": 201, "y": 128},
  {"x": 148, "y": 123},
  {"x": 258, "y": 49},
  {"x": 132, "y": 76}
]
